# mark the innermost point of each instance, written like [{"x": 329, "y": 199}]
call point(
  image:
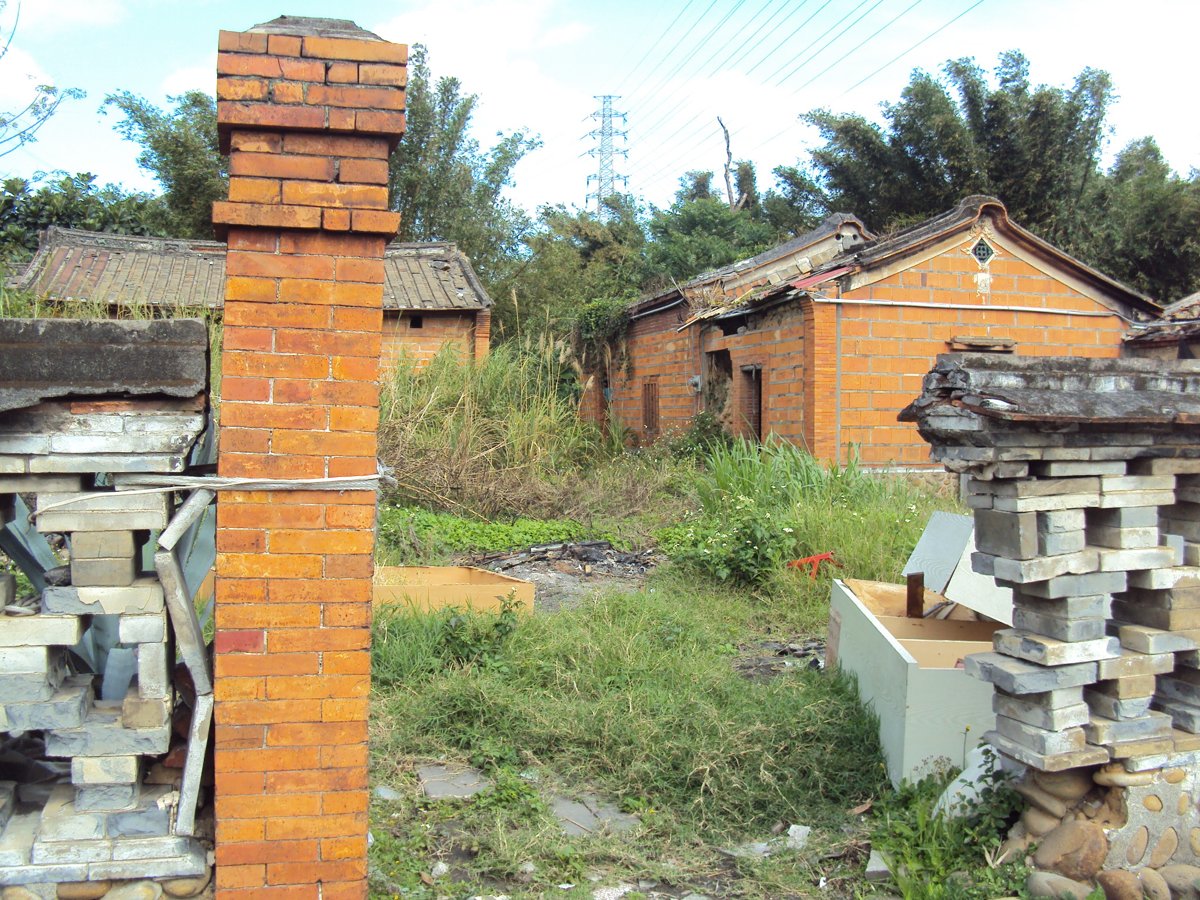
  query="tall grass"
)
[{"x": 493, "y": 437}]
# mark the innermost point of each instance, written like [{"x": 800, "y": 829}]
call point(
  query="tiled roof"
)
[{"x": 121, "y": 270}]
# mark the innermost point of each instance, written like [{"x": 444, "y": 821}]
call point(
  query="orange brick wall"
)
[
  {"x": 307, "y": 222},
  {"x": 836, "y": 374},
  {"x": 887, "y": 350},
  {"x": 458, "y": 329}
]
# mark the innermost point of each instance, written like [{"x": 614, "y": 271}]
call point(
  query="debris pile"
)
[
  {"x": 564, "y": 573},
  {"x": 87, "y": 696}
]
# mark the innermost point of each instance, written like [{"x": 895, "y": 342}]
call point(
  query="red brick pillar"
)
[{"x": 310, "y": 109}]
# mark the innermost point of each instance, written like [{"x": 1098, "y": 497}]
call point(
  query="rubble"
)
[{"x": 84, "y": 662}]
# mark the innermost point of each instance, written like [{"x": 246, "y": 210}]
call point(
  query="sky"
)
[{"x": 673, "y": 66}]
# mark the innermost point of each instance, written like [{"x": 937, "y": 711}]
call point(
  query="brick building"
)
[
  {"x": 823, "y": 340},
  {"x": 431, "y": 294}
]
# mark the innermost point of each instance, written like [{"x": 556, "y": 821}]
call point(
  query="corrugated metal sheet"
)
[{"x": 120, "y": 270}]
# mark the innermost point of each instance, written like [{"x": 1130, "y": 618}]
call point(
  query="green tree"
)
[
  {"x": 179, "y": 147},
  {"x": 1035, "y": 147},
  {"x": 572, "y": 259},
  {"x": 1147, "y": 224},
  {"x": 19, "y": 126},
  {"x": 700, "y": 231},
  {"x": 445, "y": 186},
  {"x": 70, "y": 201}
]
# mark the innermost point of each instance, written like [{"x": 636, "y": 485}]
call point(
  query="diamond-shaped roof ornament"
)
[{"x": 982, "y": 251}]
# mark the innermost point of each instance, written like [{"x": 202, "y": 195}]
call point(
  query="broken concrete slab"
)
[
  {"x": 441, "y": 781},
  {"x": 47, "y": 358},
  {"x": 143, "y": 597},
  {"x": 590, "y": 815}
]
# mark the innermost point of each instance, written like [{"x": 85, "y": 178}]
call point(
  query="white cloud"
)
[
  {"x": 496, "y": 52},
  {"x": 20, "y": 75},
  {"x": 201, "y": 77}
]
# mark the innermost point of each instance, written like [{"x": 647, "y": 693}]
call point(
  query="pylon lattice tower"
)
[{"x": 605, "y": 178}]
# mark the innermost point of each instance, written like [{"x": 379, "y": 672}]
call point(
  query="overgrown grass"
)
[{"x": 630, "y": 695}]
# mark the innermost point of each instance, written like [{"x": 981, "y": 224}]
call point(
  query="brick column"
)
[{"x": 309, "y": 109}]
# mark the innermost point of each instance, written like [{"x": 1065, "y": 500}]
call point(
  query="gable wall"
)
[
  {"x": 437, "y": 329},
  {"x": 886, "y": 351}
]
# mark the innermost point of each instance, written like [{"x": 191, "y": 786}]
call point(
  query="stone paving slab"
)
[
  {"x": 441, "y": 782},
  {"x": 590, "y": 815}
]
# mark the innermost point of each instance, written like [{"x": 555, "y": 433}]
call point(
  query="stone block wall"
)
[
  {"x": 1084, "y": 480},
  {"x": 310, "y": 109}
]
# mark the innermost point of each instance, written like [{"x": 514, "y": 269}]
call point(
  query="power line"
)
[
  {"x": 895, "y": 59},
  {"x": 663, "y": 60},
  {"x": 853, "y": 50},
  {"x": 776, "y": 49},
  {"x": 701, "y": 61},
  {"x": 837, "y": 37},
  {"x": 657, "y": 41}
]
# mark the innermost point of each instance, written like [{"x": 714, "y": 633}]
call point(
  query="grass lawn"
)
[{"x": 633, "y": 697}]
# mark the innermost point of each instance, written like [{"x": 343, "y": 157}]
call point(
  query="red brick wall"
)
[
  {"x": 458, "y": 329},
  {"x": 838, "y": 374},
  {"x": 887, "y": 350},
  {"x": 310, "y": 121}
]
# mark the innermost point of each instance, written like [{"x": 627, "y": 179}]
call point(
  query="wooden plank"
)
[{"x": 938, "y": 629}]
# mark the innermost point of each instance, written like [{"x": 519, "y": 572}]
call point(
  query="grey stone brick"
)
[
  {"x": 1082, "y": 468},
  {"x": 1122, "y": 483},
  {"x": 130, "y": 849},
  {"x": 1132, "y": 560},
  {"x": 1063, "y": 520},
  {"x": 1129, "y": 687},
  {"x": 1046, "y": 651},
  {"x": 1124, "y": 517},
  {"x": 194, "y": 862},
  {"x": 144, "y": 596},
  {"x": 1160, "y": 579},
  {"x": 1044, "y": 568},
  {"x": 102, "y": 545},
  {"x": 1052, "y": 503},
  {"x": 40, "y": 631},
  {"x": 1059, "y": 628},
  {"x": 1043, "y": 762},
  {"x": 1110, "y": 731},
  {"x": 1087, "y": 607},
  {"x": 1016, "y": 676},
  {"x": 147, "y": 819},
  {"x": 1058, "y": 543},
  {"x": 1045, "y": 487},
  {"x": 1145, "y": 639},
  {"x": 1040, "y": 740},
  {"x": 1165, "y": 466},
  {"x": 1178, "y": 598},
  {"x": 101, "y": 511},
  {"x": 27, "y": 688},
  {"x": 105, "y": 797},
  {"x": 1184, "y": 716},
  {"x": 62, "y": 822},
  {"x": 1179, "y": 620},
  {"x": 154, "y": 676},
  {"x": 143, "y": 629},
  {"x": 103, "y": 572},
  {"x": 1123, "y": 538},
  {"x": 1132, "y": 663},
  {"x": 65, "y": 709},
  {"x": 1028, "y": 710},
  {"x": 150, "y": 712},
  {"x": 105, "y": 769},
  {"x": 104, "y": 734},
  {"x": 1179, "y": 690},
  {"x": 55, "y": 874},
  {"x": 1114, "y": 707},
  {"x": 109, "y": 462},
  {"x": 55, "y": 852},
  {"x": 32, "y": 484},
  {"x": 16, "y": 839},
  {"x": 1011, "y": 535},
  {"x": 1077, "y": 585},
  {"x": 1137, "y": 498}
]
